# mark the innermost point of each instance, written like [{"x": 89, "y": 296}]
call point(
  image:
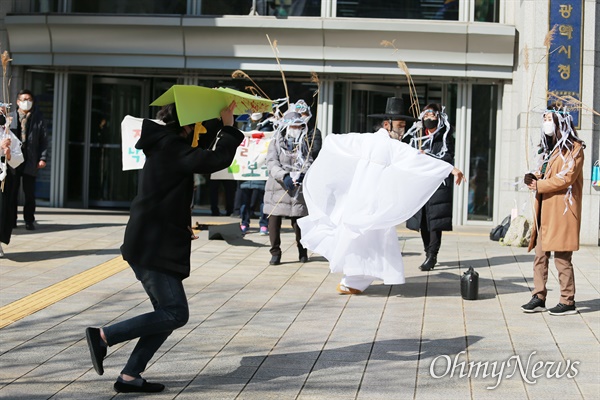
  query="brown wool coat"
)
[{"x": 560, "y": 229}]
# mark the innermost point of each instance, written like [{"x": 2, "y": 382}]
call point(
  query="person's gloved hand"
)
[
  {"x": 288, "y": 183},
  {"x": 300, "y": 178}
]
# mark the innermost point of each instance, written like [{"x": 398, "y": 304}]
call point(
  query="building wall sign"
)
[{"x": 564, "y": 61}]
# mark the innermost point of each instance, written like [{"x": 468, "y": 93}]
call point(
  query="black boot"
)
[
  {"x": 303, "y": 255},
  {"x": 429, "y": 262}
]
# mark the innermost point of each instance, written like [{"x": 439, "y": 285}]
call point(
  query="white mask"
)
[
  {"x": 548, "y": 127},
  {"x": 294, "y": 132},
  {"x": 25, "y": 105}
]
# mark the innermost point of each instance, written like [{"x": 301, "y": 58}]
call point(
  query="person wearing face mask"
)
[
  {"x": 314, "y": 137},
  {"x": 28, "y": 125},
  {"x": 558, "y": 186},
  {"x": 433, "y": 135},
  {"x": 288, "y": 159},
  {"x": 394, "y": 120},
  {"x": 157, "y": 242}
]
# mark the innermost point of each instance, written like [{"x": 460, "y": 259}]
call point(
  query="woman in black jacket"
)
[
  {"x": 158, "y": 236},
  {"x": 436, "y": 140}
]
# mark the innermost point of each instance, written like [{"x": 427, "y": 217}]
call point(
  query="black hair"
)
[
  {"x": 168, "y": 115},
  {"x": 26, "y": 91},
  {"x": 555, "y": 108},
  {"x": 435, "y": 107}
]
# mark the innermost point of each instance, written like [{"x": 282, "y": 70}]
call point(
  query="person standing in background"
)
[
  {"x": 558, "y": 184},
  {"x": 28, "y": 124},
  {"x": 288, "y": 159},
  {"x": 434, "y": 136}
]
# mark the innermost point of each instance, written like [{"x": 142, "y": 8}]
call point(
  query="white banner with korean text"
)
[{"x": 249, "y": 163}]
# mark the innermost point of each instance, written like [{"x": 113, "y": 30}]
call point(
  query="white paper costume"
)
[{"x": 359, "y": 188}]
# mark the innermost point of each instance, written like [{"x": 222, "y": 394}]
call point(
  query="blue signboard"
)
[{"x": 564, "y": 60}]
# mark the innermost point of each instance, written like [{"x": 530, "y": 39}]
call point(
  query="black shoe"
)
[
  {"x": 563, "y": 309},
  {"x": 429, "y": 263},
  {"x": 535, "y": 305},
  {"x": 303, "y": 259},
  {"x": 29, "y": 226},
  {"x": 137, "y": 385},
  {"x": 275, "y": 260},
  {"x": 97, "y": 350}
]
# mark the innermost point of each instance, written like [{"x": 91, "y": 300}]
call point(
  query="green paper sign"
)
[{"x": 197, "y": 103}]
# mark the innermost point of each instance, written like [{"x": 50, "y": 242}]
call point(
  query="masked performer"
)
[
  {"x": 558, "y": 183},
  {"x": 288, "y": 159},
  {"x": 359, "y": 188},
  {"x": 433, "y": 135}
]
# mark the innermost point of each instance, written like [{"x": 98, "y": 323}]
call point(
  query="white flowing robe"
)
[{"x": 359, "y": 188}]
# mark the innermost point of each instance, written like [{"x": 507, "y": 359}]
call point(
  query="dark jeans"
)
[
  {"x": 250, "y": 199},
  {"x": 432, "y": 240},
  {"x": 275, "y": 235},
  {"x": 170, "y": 312},
  {"x": 29, "y": 191}
]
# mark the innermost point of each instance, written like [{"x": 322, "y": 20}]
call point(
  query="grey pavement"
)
[{"x": 282, "y": 332}]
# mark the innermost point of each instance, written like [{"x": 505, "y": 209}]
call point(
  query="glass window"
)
[
  {"x": 482, "y": 153},
  {"x": 399, "y": 9},
  {"x": 278, "y": 8},
  {"x": 76, "y": 110},
  {"x": 45, "y": 6},
  {"x": 487, "y": 10},
  {"x": 130, "y": 6}
]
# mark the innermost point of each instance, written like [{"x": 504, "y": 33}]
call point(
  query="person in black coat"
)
[
  {"x": 158, "y": 236},
  {"x": 28, "y": 125},
  {"x": 433, "y": 135}
]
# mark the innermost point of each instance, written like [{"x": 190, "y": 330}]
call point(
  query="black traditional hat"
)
[{"x": 394, "y": 110}]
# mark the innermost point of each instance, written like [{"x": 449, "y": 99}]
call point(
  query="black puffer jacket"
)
[
  {"x": 439, "y": 207},
  {"x": 158, "y": 232}
]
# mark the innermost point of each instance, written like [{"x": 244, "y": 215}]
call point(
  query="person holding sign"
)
[{"x": 158, "y": 236}]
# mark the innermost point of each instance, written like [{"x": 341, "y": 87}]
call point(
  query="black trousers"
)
[
  {"x": 29, "y": 191},
  {"x": 230, "y": 187},
  {"x": 432, "y": 240},
  {"x": 275, "y": 235},
  {"x": 7, "y": 211}
]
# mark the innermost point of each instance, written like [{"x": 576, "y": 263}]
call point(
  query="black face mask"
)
[
  {"x": 2, "y": 120},
  {"x": 430, "y": 123}
]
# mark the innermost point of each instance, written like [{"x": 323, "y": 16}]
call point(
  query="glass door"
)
[
  {"x": 112, "y": 100},
  {"x": 367, "y": 99}
]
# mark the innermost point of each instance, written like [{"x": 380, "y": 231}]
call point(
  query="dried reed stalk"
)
[
  {"x": 276, "y": 52},
  {"x": 239, "y": 74}
]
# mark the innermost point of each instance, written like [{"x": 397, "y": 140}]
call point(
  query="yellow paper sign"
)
[{"x": 197, "y": 103}]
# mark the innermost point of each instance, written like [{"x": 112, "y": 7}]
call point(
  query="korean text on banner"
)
[
  {"x": 250, "y": 162},
  {"x": 133, "y": 158}
]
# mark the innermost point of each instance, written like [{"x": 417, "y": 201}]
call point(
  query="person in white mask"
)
[
  {"x": 288, "y": 159},
  {"x": 28, "y": 125},
  {"x": 558, "y": 186}
]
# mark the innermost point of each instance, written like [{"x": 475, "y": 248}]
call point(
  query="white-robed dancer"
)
[{"x": 360, "y": 187}]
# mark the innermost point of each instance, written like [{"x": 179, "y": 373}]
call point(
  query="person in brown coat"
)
[{"x": 559, "y": 186}]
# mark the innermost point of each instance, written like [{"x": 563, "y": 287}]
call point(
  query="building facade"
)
[{"x": 90, "y": 63}]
